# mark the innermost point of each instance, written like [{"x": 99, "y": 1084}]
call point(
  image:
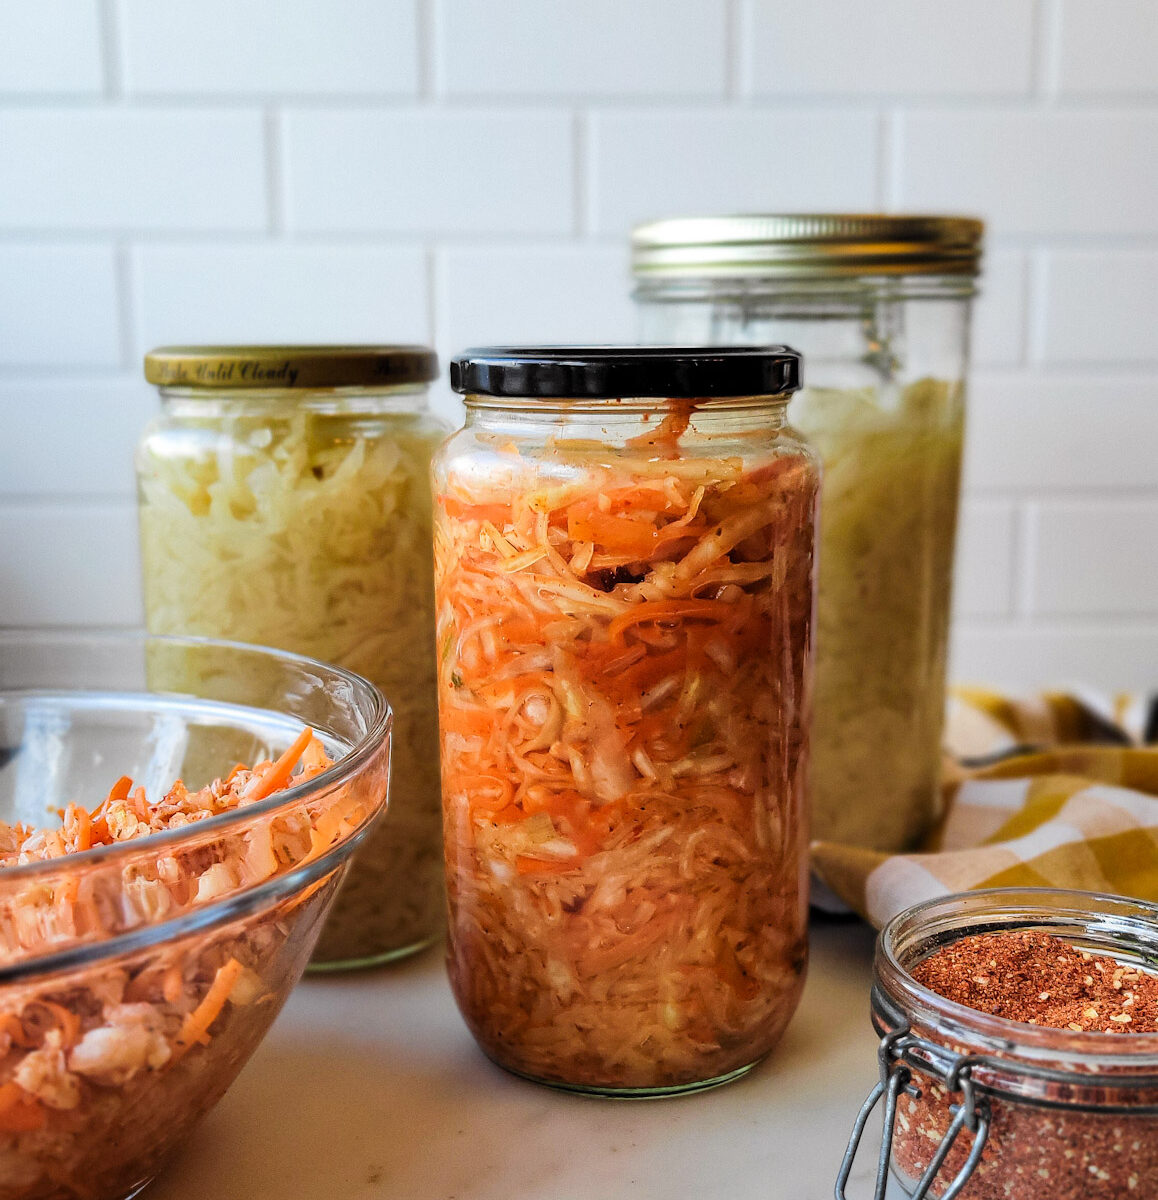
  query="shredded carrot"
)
[
  {"x": 69, "y": 1022},
  {"x": 196, "y": 1025},
  {"x": 525, "y": 864},
  {"x": 14, "y": 1028},
  {"x": 117, "y": 792},
  {"x": 173, "y": 984},
  {"x": 623, "y": 633},
  {"x": 279, "y": 772},
  {"x": 670, "y": 610}
]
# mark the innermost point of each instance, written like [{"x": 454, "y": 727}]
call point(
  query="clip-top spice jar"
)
[
  {"x": 285, "y": 500},
  {"x": 879, "y": 306},
  {"x": 624, "y": 595},
  {"x": 1019, "y": 1051}
]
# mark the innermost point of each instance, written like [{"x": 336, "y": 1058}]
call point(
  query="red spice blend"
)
[
  {"x": 1036, "y": 1152},
  {"x": 1039, "y": 979}
]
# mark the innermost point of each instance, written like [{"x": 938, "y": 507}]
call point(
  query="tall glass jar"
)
[
  {"x": 285, "y": 500},
  {"x": 987, "y": 1108},
  {"x": 880, "y": 308},
  {"x": 624, "y": 595}
]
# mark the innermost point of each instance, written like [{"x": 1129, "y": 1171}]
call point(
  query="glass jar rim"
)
[
  {"x": 618, "y": 373},
  {"x": 280, "y": 367},
  {"x": 917, "y": 931}
]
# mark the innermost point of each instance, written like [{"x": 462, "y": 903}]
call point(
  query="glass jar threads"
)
[
  {"x": 624, "y": 595},
  {"x": 880, "y": 307},
  {"x": 285, "y": 500},
  {"x": 1041, "y": 1103}
]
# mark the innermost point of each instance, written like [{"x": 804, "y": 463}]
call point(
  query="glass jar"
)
[
  {"x": 879, "y": 306},
  {"x": 285, "y": 501},
  {"x": 986, "y": 1108},
  {"x": 624, "y": 597}
]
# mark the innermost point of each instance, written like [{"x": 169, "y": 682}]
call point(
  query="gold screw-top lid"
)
[
  {"x": 273, "y": 367},
  {"x": 807, "y": 246}
]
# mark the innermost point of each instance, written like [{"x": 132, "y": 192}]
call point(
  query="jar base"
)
[
  {"x": 381, "y": 959},
  {"x": 633, "y": 1093}
]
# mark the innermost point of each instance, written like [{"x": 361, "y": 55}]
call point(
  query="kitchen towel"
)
[{"x": 1059, "y": 790}]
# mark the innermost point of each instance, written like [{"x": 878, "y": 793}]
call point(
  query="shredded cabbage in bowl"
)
[
  {"x": 623, "y": 689},
  {"x": 309, "y": 530},
  {"x": 887, "y": 525}
]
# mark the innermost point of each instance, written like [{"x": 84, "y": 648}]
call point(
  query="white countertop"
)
[{"x": 369, "y": 1086}]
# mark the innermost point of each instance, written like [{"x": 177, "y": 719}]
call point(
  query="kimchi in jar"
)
[{"x": 624, "y": 600}]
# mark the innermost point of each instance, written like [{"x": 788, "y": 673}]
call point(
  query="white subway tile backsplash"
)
[
  {"x": 999, "y": 324},
  {"x": 248, "y": 47},
  {"x": 1097, "y": 557},
  {"x": 414, "y": 171},
  {"x": 1052, "y": 656},
  {"x": 1062, "y": 432},
  {"x": 279, "y": 292},
  {"x": 1033, "y": 172},
  {"x": 598, "y": 48},
  {"x": 58, "y": 306},
  {"x": 888, "y": 47},
  {"x": 132, "y": 169},
  {"x": 1108, "y": 48},
  {"x": 983, "y": 573},
  {"x": 467, "y": 171},
  {"x": 1101, "y": 306},
  {"x": 71, "y": 437},
  {"x": 69, "y": 565},
  {"x": 654, "y": 164},
  {"x": 50, "y": 47},
  {"x": 536, "y": 294}
]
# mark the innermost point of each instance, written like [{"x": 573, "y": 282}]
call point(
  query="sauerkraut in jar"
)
[
  {"x": 624, "y": 596},
  {"x": 285, "y": 501},
  {"x": 880, "y": 307}
]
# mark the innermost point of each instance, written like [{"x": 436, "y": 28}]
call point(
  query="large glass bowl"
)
[{"x": 111, "y": 960}]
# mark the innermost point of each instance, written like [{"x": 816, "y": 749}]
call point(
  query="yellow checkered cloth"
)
[{"x": 1053, "y": 791}]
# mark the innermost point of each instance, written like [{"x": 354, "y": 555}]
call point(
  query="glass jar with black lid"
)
[{"x": 624, "y": 595}]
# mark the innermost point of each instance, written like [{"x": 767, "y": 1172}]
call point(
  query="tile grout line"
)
[
  {"x": 274, "y": 135},
  {"x": 581, "y": 221},
  {"x": 112, "y": 58},
  {"x": 1046, "y": 65},
  {"x": 1036, "y": 316},
  {"x": 1023, "y": 589},
  {"x": 734, "y": 70},
  {"x": 424, "y": 29},
  {"x": 124, "y": 267}
]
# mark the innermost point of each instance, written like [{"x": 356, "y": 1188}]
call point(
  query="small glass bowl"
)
[
  {"x": 129, "y": 939},
  {"x": 984, "y": 1108}
]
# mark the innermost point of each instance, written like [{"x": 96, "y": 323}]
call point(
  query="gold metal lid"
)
[
  {"x": 273, "y": 367},
  {"x": 807, "y": 246}
]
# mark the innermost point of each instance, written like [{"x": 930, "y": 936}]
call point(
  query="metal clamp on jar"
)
[{"x": 982, "y": 1107}]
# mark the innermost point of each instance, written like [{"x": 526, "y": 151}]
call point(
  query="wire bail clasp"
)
[{"x": 896, "y": 1057}]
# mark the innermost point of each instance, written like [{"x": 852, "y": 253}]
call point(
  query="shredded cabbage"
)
[
  {"x": 624, "y": 639},
  {"x": 310, "y": 531},
  {"x": 887, "y": 523}
]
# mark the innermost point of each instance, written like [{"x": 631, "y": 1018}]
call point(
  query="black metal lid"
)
[{"x": 611, "y": 372}]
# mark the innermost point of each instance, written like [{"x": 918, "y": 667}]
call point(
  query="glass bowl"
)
[{"x": 137, "y": 978}]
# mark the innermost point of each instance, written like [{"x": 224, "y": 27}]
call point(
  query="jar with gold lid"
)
[
  {"x": 285, "y": 500},
  {"x": 879, "y": 305}
]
